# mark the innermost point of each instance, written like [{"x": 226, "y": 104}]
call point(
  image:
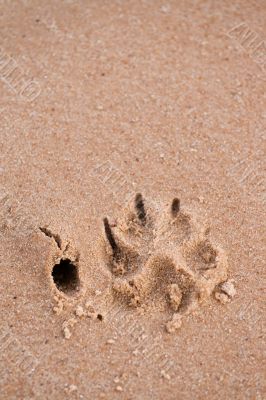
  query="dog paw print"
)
[{"x": 164, "y": 261}]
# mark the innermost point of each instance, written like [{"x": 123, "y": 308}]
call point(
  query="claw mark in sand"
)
[
  {"x": 140, "y": 209},
  {"x": 164, "y": 262},
  {"x": 175, "y": 208},
  {"x": 52, "y": 235},
  {"x": 110, "y": 238}
]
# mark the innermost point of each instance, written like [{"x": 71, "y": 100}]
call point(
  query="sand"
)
[{"x": 132, "y": 200}]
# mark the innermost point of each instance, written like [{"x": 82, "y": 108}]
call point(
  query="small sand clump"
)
[
  {"x": 67, "y": 333},
  {"x": 69, "y": 323},
  {"x": 91, "y": 313},
  {"x": 228, "y": 288},
  {"x": 175, "y": 296},
  {"x": 110, "y": 341},
  {"x": 59, "y": 306},
  {"x": 226, "y": 292},
  {"x": 79, "y": 311},
  {"x": 174, "y": 324},
  {"x": 165, "y": 375}
]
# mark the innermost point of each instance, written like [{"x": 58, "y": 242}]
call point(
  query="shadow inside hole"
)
[
  {"x": 66, "y": 277},
  {"x": 100, "y": 317}
]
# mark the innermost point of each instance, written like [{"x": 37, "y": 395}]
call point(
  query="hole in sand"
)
[{"x": 66, "y": 277}]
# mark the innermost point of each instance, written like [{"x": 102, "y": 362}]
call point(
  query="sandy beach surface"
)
[{"x": 132, "y": 199}]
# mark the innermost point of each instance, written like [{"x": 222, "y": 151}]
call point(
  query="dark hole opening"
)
[
  {"x": 66, "y": 277},
  {"x": 100, "y": 317}
]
